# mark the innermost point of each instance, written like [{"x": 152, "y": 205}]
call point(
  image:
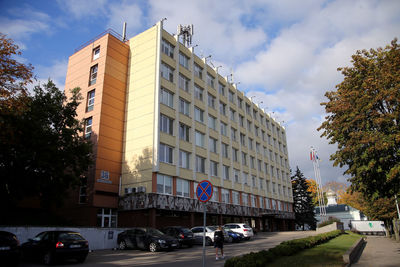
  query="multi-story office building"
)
[{"x": 162, "y": 120}]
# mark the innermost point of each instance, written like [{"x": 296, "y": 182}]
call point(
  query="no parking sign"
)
[{"x": 204, "y": 191}]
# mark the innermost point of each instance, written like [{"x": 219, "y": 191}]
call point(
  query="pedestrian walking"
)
[{"x": 219, "y": 242}]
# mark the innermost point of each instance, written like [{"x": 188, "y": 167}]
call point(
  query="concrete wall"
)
[
  {"x": 99, "y": 238},
  {"x": 331, "y": 227}
]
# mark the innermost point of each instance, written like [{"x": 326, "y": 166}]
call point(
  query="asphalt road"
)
[{"x": 185, "y": 257}]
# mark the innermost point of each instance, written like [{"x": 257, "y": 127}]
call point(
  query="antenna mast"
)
[
  {"x": 186, "y": 32},
  {"x": 321, "y": 201}
]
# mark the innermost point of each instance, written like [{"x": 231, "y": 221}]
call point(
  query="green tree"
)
[
  {"x": 363, "y": 121},
  {"x": 302, "y": 201},
  {"x": 42, "y": 151}
]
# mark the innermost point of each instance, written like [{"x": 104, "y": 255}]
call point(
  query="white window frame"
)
[
  {"x": 199, "y": 114},
  {"x": 212, "y": 122},
  {"x": 212, "y": 144},
  {"x": 199, "y": 139},
  {"x": 184, "y": 82},
  {"x": 225, "y": 172},
  {"x": 184, "y": 132},
  {"x": 182, "y": 187},
  {"x": 167, "y": 98},
  {"x": 183, "y": 60},
  {"x": 200, "y": 164},
  {"x": 166, "y": 153},
  {"x": 96, "y": 53},
  {"x": 166, "y": 124},
  {"x": 184, "y": 107},
  {"x": 167, "y": 48},
  {"x": 184, "y": 159},
  {"x": 165, "y": 182},
  {"x": 90, "y": 100},
  {"x": 198, "y": 92},
  {"x": 167, "y": 72},
  {"x": 213, "y": 168},
  {"x": 198, "y": 71}
]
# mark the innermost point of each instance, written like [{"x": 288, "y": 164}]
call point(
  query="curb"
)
[{"x": 354, "y": 252}]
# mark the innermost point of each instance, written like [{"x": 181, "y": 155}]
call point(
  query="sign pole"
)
[{"x": 204, "y": 234}]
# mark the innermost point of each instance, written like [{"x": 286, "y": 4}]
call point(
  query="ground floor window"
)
[{"x": 107, "y": 217}]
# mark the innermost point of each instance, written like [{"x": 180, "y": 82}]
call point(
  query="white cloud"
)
[
  {"x": 84, "y": 9},
  {"x": 56, "y": 72},
  {"x": 128, "y": 12}
]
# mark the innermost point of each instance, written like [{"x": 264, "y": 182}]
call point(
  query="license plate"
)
[
  {"x": 5, "y": 248},
  {"x": 174, "y": 245},
  {"x": 75, "y": 246}
]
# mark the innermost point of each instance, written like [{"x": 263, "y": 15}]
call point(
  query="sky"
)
[{"x": 284, "y": 54}]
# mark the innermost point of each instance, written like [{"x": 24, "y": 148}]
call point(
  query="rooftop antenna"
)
[
  {"x": 186, "y": 31},
  {"x": 124, "y": 32},
  {"x": 216, "y": 68},
  {"x": 231, "y": 75}
]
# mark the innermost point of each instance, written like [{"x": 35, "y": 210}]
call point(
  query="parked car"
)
[
  {"x": 198, "y": 234},
  {"x": 146, "y": 238},
  {"x": 183, "y": 234},
  {"x": 52, "y": 246},
  {"x": 242, "y": 228},
  {"x": 227, "y": 238},
  {"x": 9, "y": 249},
  {"x": 235, "y": 236}
]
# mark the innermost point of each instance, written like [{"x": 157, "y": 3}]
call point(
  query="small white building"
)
[{"x": 343, "y": 212}]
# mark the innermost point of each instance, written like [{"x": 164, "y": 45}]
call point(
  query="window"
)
[
  {"x": 222, "y": 108},
  {"x": 224, "y": 150},
  {"x": 167, "y": 98},
  {"x": 252, "y": 165},
  {"x": 183, "y": 60},
  {"x": 223, "y": 129},
  {"x": 225, "y": 196},
  {"x": 249, "y": 125},
  {"x": 166, "y": 124},
  {"x": 184, "y": 132},
  {"x": 164, "y": 184},
  {"x": 253, "y": 201},
  {"x": 273, "y": 187},
  {"x": 93, "y": 74},
  {"x": 221, "y": 89},
  {"x": 263, "y": 135},
  {"x": 183, "y": 83},
  {"x": 225, "y": 172},
  {"x": 240, "y": 102},
  {"x": 213, "y": 168},
  {"x": 245, "y": 176},
  {"x": 212, "y": 122},
  {"x": 265, "y": 152},
  {"x": 182, "y": 187},
  {"x": 248, "y": 109},
  {"x": 255, "y": 114},
  {"x": 235, "y": 198},
  {"x": 256, "y": 130},
  {"x": 266, "y": 168},
  {"x": 259, "y": 165},
  {"x": 210, "y": 80},
  {"x": 245, "y": 199},
  {"x": 212, "y": 145},
  {"x": 184, "y": 159},
  {"x": 211, "y": 101},
  {"x": 261, "y": 201},
  {"x": 232, "y": 114},
  {"x": 90, "y": 100},
  {"x": 233, "y": 134},
  {"x": 198, "y": 92},
  {"x": 253, "y": 181},
  {"x": 236, "y": 175},
  {"x": 106, "y": 217},
  {"x": 269, "y": 140},
  {"x": 167, "y": 72},
  {"x": 235, "y": 155},
  {"x": 242, "y": 139},
  {"x": 83, "y": 191},
  {"x": 272, "y": 171},
  {"x": 167, "y": 48},
  {"x": 231, "y": 97},
  {"x": 244, "y": 159},
  {"x": 166, "y": 153},
  {"x": 200, "y": 164},
  {"x": 241, "y": 120},
  {"x": 250, "y": 143},
  {"x": 215, "y": 196},
  {"x": 198, "y": 71},
  {"x": 199, "y": 138},
  {"x": 96, "y": 53},
  {"x": 268, "y": 203},
  {"x": 184, "y": 107},
  {"x": 261, "y": 184},
  {"x": 258, "y": 148},
  {"x": 88, "y": 127},
  {"x": 198, "y": 115}
]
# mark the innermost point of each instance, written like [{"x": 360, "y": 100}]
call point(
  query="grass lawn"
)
[{"x": 327, "y": 254}]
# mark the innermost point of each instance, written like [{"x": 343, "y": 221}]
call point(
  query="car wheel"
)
[
  {"x": 208, "y": 241},
  {"x": 230, "y": 239},
  {"x": 48, "y": 258},
  {"x": 153, "y": 247},
  {"x": 122, "y": 245},
  {"x": 81, "y": 259}
]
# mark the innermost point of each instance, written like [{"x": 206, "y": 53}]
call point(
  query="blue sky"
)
[{"x": 284, "y": 53}]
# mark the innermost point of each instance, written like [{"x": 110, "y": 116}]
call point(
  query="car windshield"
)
[
  {"x": 186, "y": 230},
  {"x": 70, "y": 237},
  {"x": 154, "y": 232}
]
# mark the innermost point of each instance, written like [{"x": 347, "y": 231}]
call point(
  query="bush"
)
[
  {"x": 328, "y": 222},
  {"x": 286, "y": 248}
]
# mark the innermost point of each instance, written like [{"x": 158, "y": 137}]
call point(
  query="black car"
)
[
  {"x": 146, "y": 238},
  {"x": 183, "y": 234},
  {"x": 9, "y": 249},
  {"x": 51, "y": 246}
]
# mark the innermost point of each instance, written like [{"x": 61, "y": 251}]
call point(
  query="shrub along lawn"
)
[{"x": 327, "y": 254}]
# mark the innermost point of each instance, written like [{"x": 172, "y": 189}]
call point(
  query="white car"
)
[
  {"x": 242, "y": 228},
  {"x": 198, "y": 234}
]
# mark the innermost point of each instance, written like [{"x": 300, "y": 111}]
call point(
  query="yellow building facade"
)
[{"x": 164, "y": 120}]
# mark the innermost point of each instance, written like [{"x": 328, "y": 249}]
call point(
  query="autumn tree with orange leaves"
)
[{"x": 363, "y": 121}]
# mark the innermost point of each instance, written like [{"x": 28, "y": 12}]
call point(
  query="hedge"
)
[{"x": 286, "y": 248}]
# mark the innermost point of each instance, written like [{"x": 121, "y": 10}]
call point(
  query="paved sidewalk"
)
[{"x": 379, "y": 251}]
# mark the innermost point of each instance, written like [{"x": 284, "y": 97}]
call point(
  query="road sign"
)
[{"x": 204, "y": 191}]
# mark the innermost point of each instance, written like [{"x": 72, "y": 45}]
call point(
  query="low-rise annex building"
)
[{"x": 162, "y": 120}]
